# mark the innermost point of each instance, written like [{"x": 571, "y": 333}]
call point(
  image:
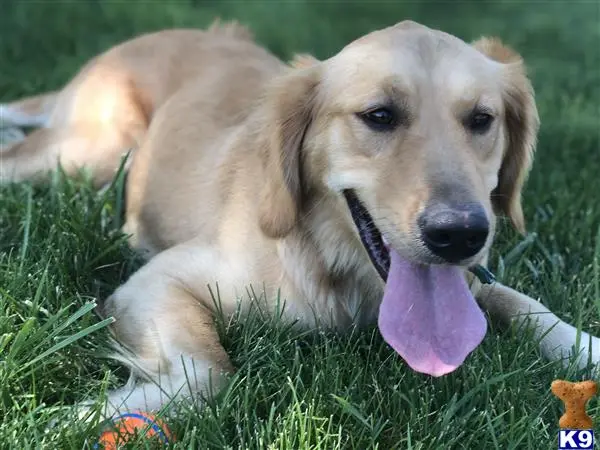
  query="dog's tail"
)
[{"x": 31, "y": 111}]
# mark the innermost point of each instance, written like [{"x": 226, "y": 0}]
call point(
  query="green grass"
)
[{"x": 60, "y": 249}]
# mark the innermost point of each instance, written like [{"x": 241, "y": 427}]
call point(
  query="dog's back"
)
[{"x": 172, "y": 199}]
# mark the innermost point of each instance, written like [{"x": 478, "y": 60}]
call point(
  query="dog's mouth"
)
[
  {"x": 369, "y": 234},
  {"x": 427, "y": 314}
]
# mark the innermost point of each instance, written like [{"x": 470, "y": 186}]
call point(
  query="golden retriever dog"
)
[{"x": 356, "y": 190}]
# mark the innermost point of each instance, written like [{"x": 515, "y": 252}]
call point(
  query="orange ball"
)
[{"x": 126, "y": 426}]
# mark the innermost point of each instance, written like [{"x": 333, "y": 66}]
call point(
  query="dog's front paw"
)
[
  {"x": 574, "y": 347},
  {"x": 88, "y": 410},
  {"x": 590, "y": 352}
]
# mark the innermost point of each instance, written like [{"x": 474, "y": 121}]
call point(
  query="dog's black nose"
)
[{"x": 454, "y": 232}]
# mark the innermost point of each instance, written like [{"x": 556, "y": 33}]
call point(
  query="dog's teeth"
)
[{"x": 385, "y": 242}]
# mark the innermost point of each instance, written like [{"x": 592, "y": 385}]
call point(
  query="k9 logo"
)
[{"x": 575, "y": 439}]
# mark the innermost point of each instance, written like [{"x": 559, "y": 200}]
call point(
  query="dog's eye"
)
[
  {"x": 479, "y": 122},
  {"x": 379, "y": 119}
]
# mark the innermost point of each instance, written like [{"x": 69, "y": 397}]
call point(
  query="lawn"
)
[{"x": 60, "y": 248}]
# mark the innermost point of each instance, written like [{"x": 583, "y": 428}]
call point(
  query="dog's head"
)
[{"x": 421, "y": 137}]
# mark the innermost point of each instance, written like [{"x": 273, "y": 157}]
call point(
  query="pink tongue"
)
[{"x": 429, "y": 316}]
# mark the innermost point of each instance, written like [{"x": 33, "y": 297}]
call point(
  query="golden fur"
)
[{"x": 238, "y": 165}]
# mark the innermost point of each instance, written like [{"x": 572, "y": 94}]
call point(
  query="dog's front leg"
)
[
  {"x": 167, "y": 334},
  {"x": 558, "y": 339}
]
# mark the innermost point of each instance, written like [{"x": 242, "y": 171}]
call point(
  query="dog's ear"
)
[
  {"x": 522, "y": 123},
  {"x": 286, "y": 114}
]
